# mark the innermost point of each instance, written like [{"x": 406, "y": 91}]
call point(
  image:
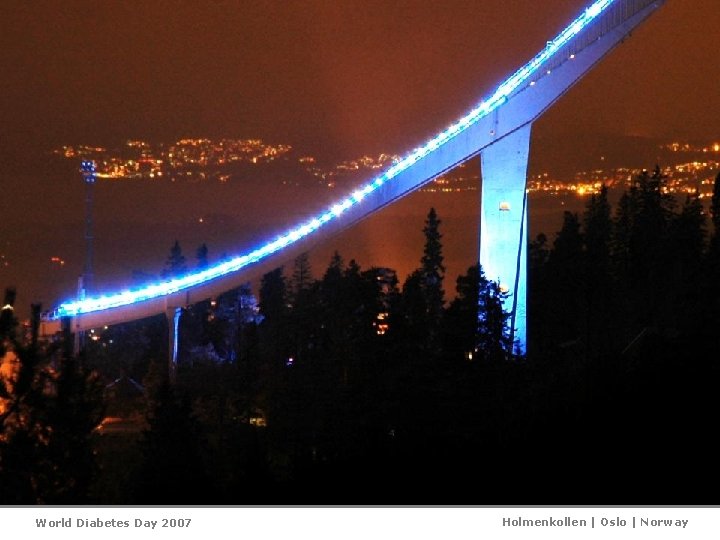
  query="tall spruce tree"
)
[
  {"x": 432, "y": 273},
  {"x": 641, "y": 254},
  {"x": 201, "y": 254},
  {"x": 565, "y": 266},
  {"x": 49, "y": 406},
  {"x": 476, "y": 324},
  {"x": 273, "y": 296},
  {"x": 493, "y": 329},
  {"x": 715, "y": 205},
  {"x": 684, "y": 273},
  {"x": 597, "y": 283},
  {"x": 414, "y": 322},
  {"x": 715, "y": 218},
  {"x": 175, "y": 264},
  {"x": 172, "y": 471},
  {"x": 302, "y": 275},
  {"x": 540, "y": 298},
  {"x": 597, "y": 234},
  {"x": 712, "y": 268},
  {"x": 273, "y": 304},
  {"x": 303, "y": 311}
]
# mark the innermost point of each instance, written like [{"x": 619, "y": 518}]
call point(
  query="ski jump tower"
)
[
  {"x": 505, "y": 138},
  {"x": 498, "y": 130}
]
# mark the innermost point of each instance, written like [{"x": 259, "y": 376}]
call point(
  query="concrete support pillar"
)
[
  {"x": 173, "y": 318},
  {"x": 504, "y": 224},
  {"x": 79, "y": 335},
  {"x": 77, "y": 340}
]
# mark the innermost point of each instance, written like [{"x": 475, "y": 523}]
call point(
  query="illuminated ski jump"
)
[{"x": 498, "y": 129}]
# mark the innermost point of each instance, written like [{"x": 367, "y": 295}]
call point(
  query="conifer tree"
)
[
  {"x": 493, "y": 335},
  {"x": 597, "y": 283},
  {"x": 175, "y": 265},
  {"x": 681, "y": 292},
  {"x": 273, "y": 304},
  {"x": 330, "y": 283},
  {"x": 432, "y": 268},
  {"x": 49, "y": 407},
  {"x": 302, "y": 274},
  {"x": 623, "y": 225},
  {"x": 273, "y": 296},
  {"x": 715, "y": 205},
  {"x": 715, "y": 218},
  {"x": 597, "y": 234},
  {"x": 335, "y": 269},
  {"x": 460, "y": 323},
  {"x": 565, "y": 268},
  {"x": 641, "y": 254},
  {"x": 413, "y": 306},
  {"x": 712, "y": 266},
  {"x": 202, "y": 256},
  {"x": 304, "y": 309},
  {"x": 172, "y": 471}
]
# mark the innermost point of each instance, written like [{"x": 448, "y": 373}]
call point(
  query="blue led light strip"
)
[{"x": 501, "y": 94}]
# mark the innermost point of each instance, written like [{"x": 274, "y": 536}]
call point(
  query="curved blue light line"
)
[{"x": 501, "y": 94}]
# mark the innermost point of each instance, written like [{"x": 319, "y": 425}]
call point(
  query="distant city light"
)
[{"x": 514, "y": 83}]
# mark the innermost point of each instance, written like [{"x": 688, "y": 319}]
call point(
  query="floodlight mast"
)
[
  {"x": 85, "y": 282},
  {"x": 88, "y": 171}
]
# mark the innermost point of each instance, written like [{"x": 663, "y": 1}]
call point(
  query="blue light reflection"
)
[{"x": 501, "y": 94}]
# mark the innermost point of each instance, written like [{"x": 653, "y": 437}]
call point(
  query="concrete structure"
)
[
  {"x": 498, "y": 129},
  {"x": 504, "y": 223}
]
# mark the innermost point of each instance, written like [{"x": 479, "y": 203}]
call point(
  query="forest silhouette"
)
[{"x": 350, "y": 388}]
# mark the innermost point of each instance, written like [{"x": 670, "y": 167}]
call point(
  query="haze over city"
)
[
  {"x": 349, "y": 77},
  {"x": 98, "y": 75}
]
